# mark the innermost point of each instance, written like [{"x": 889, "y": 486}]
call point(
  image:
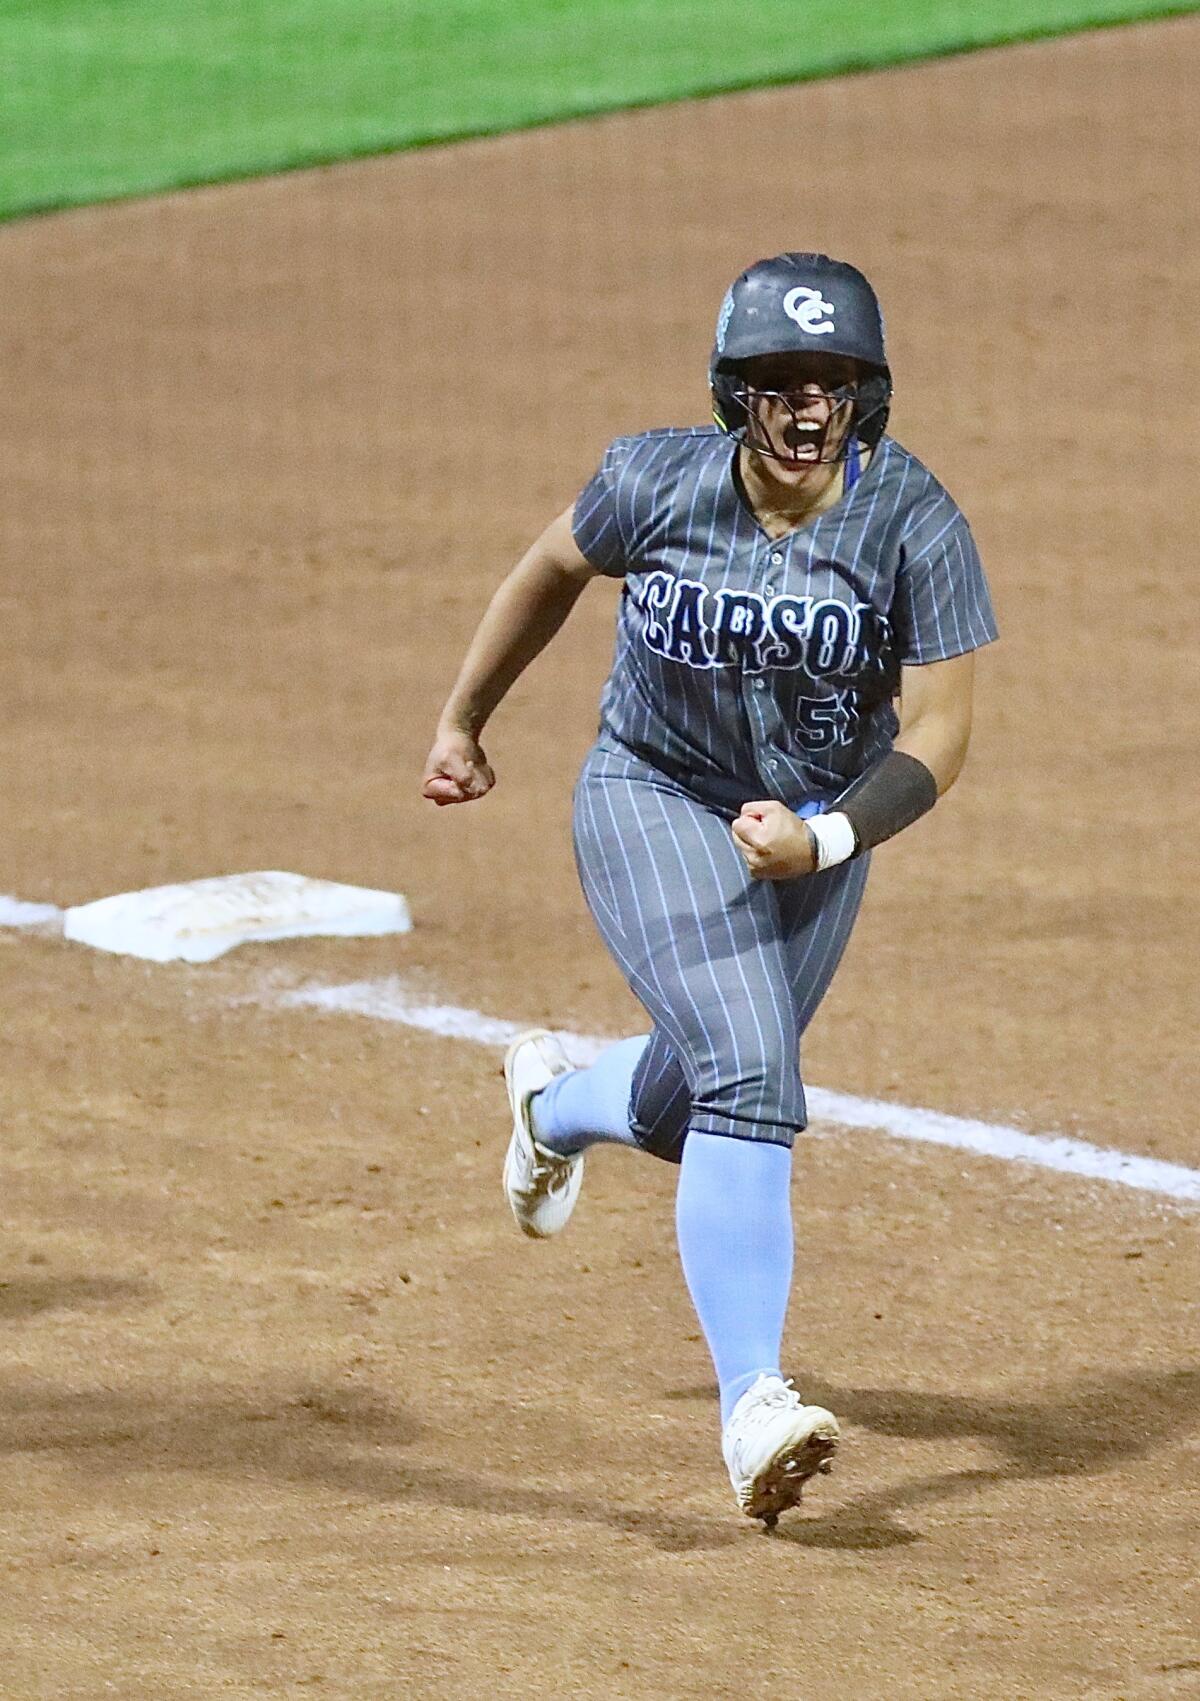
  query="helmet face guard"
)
[
  {"x": 738, "y": 409},
  {"x": 803, "y": 304}
]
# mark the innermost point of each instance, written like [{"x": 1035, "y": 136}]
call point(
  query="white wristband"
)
[{"x": 836, "y": 840}]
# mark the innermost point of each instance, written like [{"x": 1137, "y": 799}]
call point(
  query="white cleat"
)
[
  {"x": 773, "y": 1444},
  {"x": 542, "y": 1187}
]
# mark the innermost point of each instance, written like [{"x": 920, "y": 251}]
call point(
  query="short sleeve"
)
[
  {"x": 942, "y": 606},
  {"x": 594, "y": 523}
]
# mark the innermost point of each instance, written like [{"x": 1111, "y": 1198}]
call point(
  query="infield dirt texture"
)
[{"x": 289, "y": 1408}]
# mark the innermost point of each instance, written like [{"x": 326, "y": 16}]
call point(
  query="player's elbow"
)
[
  {"x": 951, "y": 755},
  {"x": 950, "y": 773},
  {"x": 939, "y": 741},
  {"x": 935, "y": 716}
]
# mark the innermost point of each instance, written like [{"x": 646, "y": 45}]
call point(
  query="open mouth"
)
[{"x": 803, "y": 440}]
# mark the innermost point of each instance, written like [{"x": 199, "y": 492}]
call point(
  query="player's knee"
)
[
  {"x": 660, "y": 1104},
  {"x": 760, "y": 1096}
]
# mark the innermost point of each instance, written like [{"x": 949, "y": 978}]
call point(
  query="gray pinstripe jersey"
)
[{"x": 747, "y": 667}]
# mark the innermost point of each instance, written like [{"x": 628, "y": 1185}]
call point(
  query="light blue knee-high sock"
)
[
  {"x": 589, "y": 1106},
  {"x": 733, "y": 1216}
]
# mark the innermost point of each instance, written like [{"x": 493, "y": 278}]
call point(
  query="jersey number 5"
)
[{"x": 826, "y": 720}]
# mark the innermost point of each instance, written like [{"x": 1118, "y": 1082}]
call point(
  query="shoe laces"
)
[
  {"x": 777, "y": 1396},
  {"x": 547, "y": 1165}
]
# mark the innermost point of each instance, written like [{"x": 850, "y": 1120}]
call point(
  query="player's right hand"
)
[{"x": 457, "y": 770}]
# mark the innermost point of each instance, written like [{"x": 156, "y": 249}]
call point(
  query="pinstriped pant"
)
[{"x": 730, "y": 969}]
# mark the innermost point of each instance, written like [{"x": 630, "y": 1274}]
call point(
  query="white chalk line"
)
[
  {"x": 15, "y": 913},
  {"x": 388, "y": 1001}
]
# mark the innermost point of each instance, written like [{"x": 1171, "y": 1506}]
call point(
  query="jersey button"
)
[
  {"x": 777, "y": 559},
  {"x": 760, "y": 685}
]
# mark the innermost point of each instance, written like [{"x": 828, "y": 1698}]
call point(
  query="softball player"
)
[{"x": 790, "y": 574}]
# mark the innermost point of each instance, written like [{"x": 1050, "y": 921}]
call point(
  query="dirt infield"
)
[{"x": 289, "y": 1408}]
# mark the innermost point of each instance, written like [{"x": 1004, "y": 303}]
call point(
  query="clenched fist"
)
[
  {"x": 775, "y": 843},
  {"x": 457, "y": 770}
]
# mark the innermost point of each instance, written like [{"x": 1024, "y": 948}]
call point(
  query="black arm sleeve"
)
[{"x": 893, "y": 794}]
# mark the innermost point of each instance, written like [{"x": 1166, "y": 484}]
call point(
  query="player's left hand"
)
[{"x": 775, "y": 843}]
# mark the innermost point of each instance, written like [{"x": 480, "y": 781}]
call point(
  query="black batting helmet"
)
[{"x": 801, "y": 304}]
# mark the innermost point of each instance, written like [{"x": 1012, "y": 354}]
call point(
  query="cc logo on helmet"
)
[{"x": 807, "y": 307}]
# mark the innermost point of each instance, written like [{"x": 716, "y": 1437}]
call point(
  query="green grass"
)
[{"x": 107, "y": 98}]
